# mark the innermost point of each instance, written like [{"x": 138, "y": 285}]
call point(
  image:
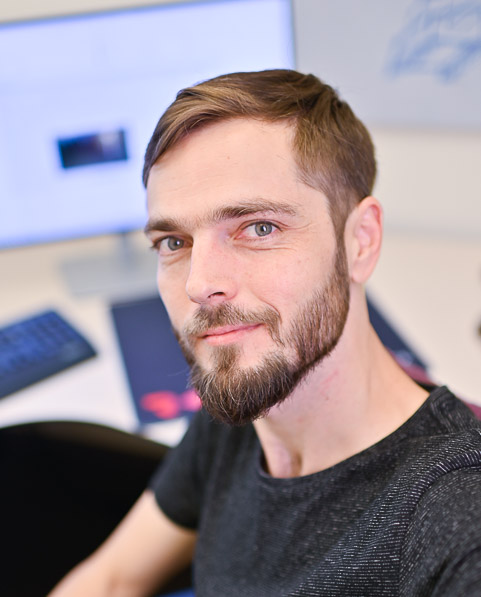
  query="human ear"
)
[{"x": 363, "y": 238}]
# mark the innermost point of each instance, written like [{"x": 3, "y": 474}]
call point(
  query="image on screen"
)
[{"x": 92, "y": 149}]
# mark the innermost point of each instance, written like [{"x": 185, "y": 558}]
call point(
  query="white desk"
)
[{"x": 430, "y": 290}]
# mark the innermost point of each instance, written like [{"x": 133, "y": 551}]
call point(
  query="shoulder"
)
[
  {"x": 444, "y": 431},
  {"x": 450, "y": 413},
  {"x": 444, "y": 530},
  {"x": 442, "y": 546},
  {"x": 442, "y": 443}
]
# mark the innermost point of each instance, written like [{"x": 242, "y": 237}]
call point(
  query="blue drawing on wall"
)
[{"x": 441, "y": 38}]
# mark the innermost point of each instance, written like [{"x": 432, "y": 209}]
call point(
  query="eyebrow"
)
[{"x": 223, "y": 213}]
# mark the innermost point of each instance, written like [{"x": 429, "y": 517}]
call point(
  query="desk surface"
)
[{"x": 429, "y": 289}]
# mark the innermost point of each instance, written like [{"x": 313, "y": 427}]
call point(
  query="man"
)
[{"x": 318, "y": 467}]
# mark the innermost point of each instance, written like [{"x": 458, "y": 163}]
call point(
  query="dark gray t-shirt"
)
[{"x": 400, "y": 518}]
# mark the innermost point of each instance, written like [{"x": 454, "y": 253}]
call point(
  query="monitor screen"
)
[{"x": 80, "y": 97}]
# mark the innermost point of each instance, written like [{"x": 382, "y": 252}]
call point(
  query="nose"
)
[{"x": 211, "y": 278}]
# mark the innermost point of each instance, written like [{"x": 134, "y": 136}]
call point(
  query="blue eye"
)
[
  {"x": 172, "y": 243},
  {"x": 263, "y": 228}
]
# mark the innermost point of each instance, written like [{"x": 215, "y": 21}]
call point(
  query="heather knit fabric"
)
[{"x": 400, "y": 518}]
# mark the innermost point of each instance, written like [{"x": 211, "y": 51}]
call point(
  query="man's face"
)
[{"x": 249, "y": 270}]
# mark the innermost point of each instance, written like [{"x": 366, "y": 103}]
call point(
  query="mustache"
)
[{"x": 225, "y": 314}]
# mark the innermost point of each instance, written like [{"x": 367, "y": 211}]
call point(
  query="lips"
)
[
  {"x": 227, "y": 329},
  {"x": 228, "y": 333}
]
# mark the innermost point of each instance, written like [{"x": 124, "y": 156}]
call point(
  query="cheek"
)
[
  {"x": 295, "y": 277},
  {"x": 284, "y": 284},
  {"x": 289, "y": 283},
  {"x": 172, "y": 292}
]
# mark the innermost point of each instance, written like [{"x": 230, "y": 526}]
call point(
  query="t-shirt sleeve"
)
[
  {"x": 442, "y": 555},
  {"x": 178, "y": 482},
  {"x": 464, "y": 580}
]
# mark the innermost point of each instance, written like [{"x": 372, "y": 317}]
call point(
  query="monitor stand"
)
[{"x": 125, "y": 271}]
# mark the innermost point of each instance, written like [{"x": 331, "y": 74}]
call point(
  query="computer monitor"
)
[{"x": 80, "y": 96}]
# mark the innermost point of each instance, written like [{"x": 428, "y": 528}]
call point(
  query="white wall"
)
[
  {"x": 429, "y": 178},
  {"x": 430, "y": 182}
]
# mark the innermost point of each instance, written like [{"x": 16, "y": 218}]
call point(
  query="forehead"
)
[{"x": 224, "y": 163}]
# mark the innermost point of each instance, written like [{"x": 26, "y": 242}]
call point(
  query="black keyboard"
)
[{"x": 37, "y": 347}]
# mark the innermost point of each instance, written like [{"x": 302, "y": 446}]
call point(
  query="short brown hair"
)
[{"x": 333, "y": 149}]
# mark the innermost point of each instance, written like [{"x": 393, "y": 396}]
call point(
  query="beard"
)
[{"x": 237, "y": 395}]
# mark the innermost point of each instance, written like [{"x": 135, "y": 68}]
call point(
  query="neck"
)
[{"x": 353, "y": 399}]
